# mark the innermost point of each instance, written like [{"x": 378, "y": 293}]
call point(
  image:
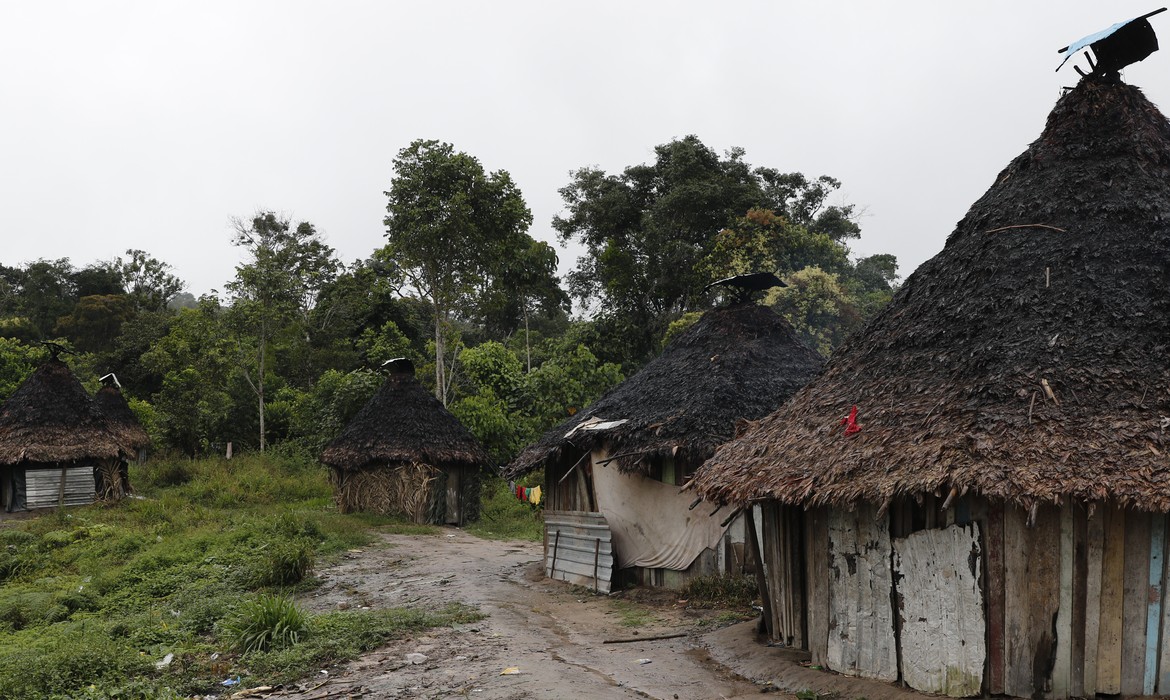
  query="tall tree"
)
[
  {"x": 451, "y": 229},
  {"x": 645, "y": 229},
  {"x": 285, "y": 269},
  {"x": 652, "y": 234},
  {"x": 194, "y": 361},
  {"x": 148, "y": 281},
  {"x": 46, "y": 293}
]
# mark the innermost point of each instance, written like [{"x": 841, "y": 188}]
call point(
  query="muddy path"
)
[{"x": 551, "y": 634}]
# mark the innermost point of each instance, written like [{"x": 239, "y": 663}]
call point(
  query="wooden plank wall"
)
[
  {"x": 1076, "y": 605},
  {"x": 1084, "y": 603},
  {"x": 566, "y": 484},
  {"x": 783, "y": 560},
  {"x": 578, "y": 549}
]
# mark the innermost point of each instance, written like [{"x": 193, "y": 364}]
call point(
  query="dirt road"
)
[{"x": 549, "y": 632}]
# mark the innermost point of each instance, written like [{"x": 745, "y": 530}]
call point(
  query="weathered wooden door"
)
[
  {"x": 454, "y": 502},
  {"x": 941, "y": 617},
  {"x": 861, "y": 617}
]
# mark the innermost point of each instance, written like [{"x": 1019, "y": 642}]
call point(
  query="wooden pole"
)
[
  {"x": 556, "y": 541},
  {"x": 761, "y": 580}
]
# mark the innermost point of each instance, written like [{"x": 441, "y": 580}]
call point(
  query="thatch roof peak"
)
[
  {"x": 51, "y": 418},
  {"x": 403, "y": 422},
  {"x": 120, "y": 419},
  {"x": 738, "y": 362},
  {"x": 1028, "y": 360}
]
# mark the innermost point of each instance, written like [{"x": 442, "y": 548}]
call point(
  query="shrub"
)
[
  {"x": 165, "y": 472},
  {"x": 265, "y": 622},
  {"x": 285, "y": 562}
]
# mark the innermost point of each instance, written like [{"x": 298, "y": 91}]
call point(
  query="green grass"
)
[
  {"x": 631, "y": 614},
  {"x": 505, "y": 517},
  {"x": 91, "y": 598}
]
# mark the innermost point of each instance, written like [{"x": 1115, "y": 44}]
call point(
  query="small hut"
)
[
  {"x": 53, "y": 442},
  {"x": 992, "y": 516},
  {"x": 405, "y": 454},
  {"x": 612, "y": 472},
  {"x": 131, "y": 436}
]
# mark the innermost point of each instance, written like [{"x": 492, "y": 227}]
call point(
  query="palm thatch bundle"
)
[
  {"x": 409, "y": 490},
  {"x": 1028, "y": 360},
  {"x": 112, "y": 479},
  {"x": 51, "y": 419},
  {"x": 734, "y": 363},
  {"x": 120, "y": 420}
]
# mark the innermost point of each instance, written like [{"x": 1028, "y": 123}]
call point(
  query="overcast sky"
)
[{"x": 152, "y": 124}]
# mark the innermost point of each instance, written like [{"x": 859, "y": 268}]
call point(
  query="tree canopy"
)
[
  {"x": 459, "y": 286},
  {"x": 656, "y": 234}
]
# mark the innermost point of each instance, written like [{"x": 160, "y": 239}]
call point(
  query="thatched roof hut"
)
[
  {"x": 52, "y": 419},
  {"x": 735, "y": 363},
  {"x": 612, "y": 472},
  {"x": 120, "y": 420},
  {"x": 401, "y": 438},
  {"x": 1029, "y": 360},
  {"x": 403, "y": 422},
  {"x": 1006, "y": 477},
  {"x": 55, "y": 445}
]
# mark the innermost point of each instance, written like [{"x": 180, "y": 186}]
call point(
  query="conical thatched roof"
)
[
  {"x": 403, "y": 422},
  {"x": 51, "y": 418},
  {"x": 121, "y": 420},
  {"x": 739, "y": 362},
  {"x": 952, "y": 379}
]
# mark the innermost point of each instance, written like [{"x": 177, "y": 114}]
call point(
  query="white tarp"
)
[{"x": 650, "y": 522}]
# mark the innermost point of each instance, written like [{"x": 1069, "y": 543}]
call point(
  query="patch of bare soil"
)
[{"x": 540, "y": 639}]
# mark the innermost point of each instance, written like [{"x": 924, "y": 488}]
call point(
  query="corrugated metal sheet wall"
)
[{"x": 43, "y": 486}]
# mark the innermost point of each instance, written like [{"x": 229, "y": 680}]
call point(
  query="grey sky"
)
[{"x": 151, "y": 124}]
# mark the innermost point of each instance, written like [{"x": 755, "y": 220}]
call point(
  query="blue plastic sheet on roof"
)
[{"x": 1092, "y": 39}]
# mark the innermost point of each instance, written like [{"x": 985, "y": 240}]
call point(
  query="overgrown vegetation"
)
[
  {"x": 721, "y": 591},
  {"x": 202, "y": 567},
  {"x": 505, "y": 517}
]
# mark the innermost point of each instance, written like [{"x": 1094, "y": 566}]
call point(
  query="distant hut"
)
[
  {"x": 53, "y": 442},
  {"x": 612, "y": 472},
  {"x": 993, "y": 517},
  {"x": 405, "y": 454},
  {"x": 131, "y": 436}
]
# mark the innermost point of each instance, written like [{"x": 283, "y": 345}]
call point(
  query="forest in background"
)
[{"x": 291, "y": 349}]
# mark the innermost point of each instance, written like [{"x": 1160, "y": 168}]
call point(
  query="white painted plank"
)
[
  {"x": 861, "y": 627},
  {"x": 943, "y": 626}
]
